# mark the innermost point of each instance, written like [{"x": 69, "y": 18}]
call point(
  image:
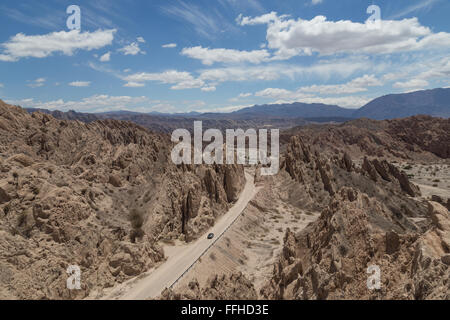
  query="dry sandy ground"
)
[
  {"x": 432, "y": 178},
  {"x": 253, "y": 243}
]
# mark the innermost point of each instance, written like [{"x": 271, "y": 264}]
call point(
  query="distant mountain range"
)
[
  {"x": 287, "y": 111},
  {"x": 435, "y": 102}
]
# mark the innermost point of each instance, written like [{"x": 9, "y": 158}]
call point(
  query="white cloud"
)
[
  {"x": 1, "y": 85},
  {"x": 263, "y": 19},
  {"x": 209, "y": 78},
  {"x": 37, "y": 83},
  {"x": 140, "y": 39},
  {"x": 209, "y": 89},
  {"x": 242, "y": 5},
  {"x": 188, "y": 84},
  {"x": 360, "y": 84},
  {"x": 287, "y": 96},
  {"x": 106, "y": 57},
  {"x": 391, "y": 76},
  {"x": 225, "y": 109},
  {"x": 411, "y": 84},
  {"x": 308, "y": 94},
  {"x": 265, "y": 73},
  {"x": 65, "y": 42},
  {"x": 292, "y": 37},
  {"x": 134, "y": 85},
  {"x": 131, "y": 49},
  {"x": 282, "y": 94},
  {"x": 422, "y": 4},
  {"x": 179, "y": 79},
  {"x": 240, "y": 96},
  {"x": 210, "y": 56},
  {"x": 207, "y": 23},
  {"x": 436, "y": 70},
  {"x": 351, "y": 102},
  {"x": 169, "y": 45},
  {"x": 314, "y": 2},
  {"x": 96, "y": 103},
  {"x": 323, "y": 69},
  {"x": 321, "y": 93},
  {"x": 80, "y": 84}
]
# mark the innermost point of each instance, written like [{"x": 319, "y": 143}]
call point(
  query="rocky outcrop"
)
[
  {"x": 330, "y": 258},
  {"x": 376, "y": 169},
  {"x": 66, "y": 192},
  {"x": 4, "y": 196},
  {"x": 296, "y": 156},
  {"x": 427, "y": 133},
  {"x": 441, "y": 220},
  {"x": 418, "y": 138},
  {"x": 347, "y": 160},
  {"x": 325, "y": 174},
  {"x": 218, "y": 287},
  {"x": 310, "y": 169},
  {"x": 114, "y": 180},
  {"x": 321, "y": 176}
]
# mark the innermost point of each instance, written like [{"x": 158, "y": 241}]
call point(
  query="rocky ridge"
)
[
  {"x": 370, "y": 215},
  {"x": 421, "y": 138},
  {"x": 100, "y": 195}
]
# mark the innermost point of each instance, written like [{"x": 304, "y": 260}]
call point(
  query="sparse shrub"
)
[
  {"x": 407, "y": 167},
  {"x": 62, "y": 184},
  {"x": 22, "y": 219},
  {"x": 35, "y": 189},
  {"x": 137, "y": 220},
  {"x": 136, "y": 234}
]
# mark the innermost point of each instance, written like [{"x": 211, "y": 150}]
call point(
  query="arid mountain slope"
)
[
  {"x": 169, "y": 123},
  {"x": 362, "y": 214},
  {"x": 99, "y": 195},
  {"x": 416, "y": 138},
  {"x": 434, "y": 102},
  {"x": 370, "y": 215}
]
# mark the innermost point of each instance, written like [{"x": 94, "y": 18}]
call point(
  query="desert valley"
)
[
  {"x": 105, "y": 196},
  {"x": 224, "y": 159}
]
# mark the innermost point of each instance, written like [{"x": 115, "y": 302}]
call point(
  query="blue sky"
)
[{"x": 218, "y": 55}]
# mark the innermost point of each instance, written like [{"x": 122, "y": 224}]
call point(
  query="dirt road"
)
[{"x": 181, "y": 259}]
